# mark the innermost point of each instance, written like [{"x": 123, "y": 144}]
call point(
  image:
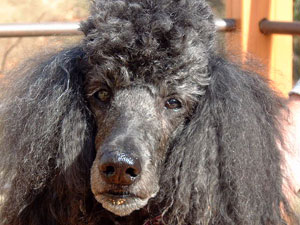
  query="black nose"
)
[{"x": 120, "y": 169}]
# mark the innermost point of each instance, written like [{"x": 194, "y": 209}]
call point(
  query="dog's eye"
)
[
  {"x": 173, "y": 103},
  {"x": 103, "y": 95}
]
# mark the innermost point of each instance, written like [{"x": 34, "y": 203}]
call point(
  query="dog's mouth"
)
[
  {"x": 120, "y": 202},
  {"x": 119, "y": 194}
]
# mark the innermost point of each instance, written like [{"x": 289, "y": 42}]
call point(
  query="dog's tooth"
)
[
  {"x": 121, "y": 201},
  {"x": 118, "y": 202}
]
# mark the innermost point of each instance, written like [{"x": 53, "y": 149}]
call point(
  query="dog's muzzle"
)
[{"x": 120, "y": 173}]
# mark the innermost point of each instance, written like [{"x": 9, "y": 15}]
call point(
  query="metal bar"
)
[
  {"x": 274, "y": 27},
  {"x": 225, "y": 24},
  {"x": 39, "y": 29},
  {"x": 51, "y": 29}
]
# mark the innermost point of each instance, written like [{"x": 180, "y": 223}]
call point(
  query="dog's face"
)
[
  {"x": 136, "y": 123},
  {"x": 148, "y": 65}
]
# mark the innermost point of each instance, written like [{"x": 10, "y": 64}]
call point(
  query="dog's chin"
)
[{"x": 121, "y": 205}]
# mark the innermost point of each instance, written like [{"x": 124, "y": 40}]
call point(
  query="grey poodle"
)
[{"x": 142, "y": 122}]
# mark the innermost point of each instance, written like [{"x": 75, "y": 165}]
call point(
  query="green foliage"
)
[
  {"x": 296, "y": 42},
  {"x": 297, "y": 10}
]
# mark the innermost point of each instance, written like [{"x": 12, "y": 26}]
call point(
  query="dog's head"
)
[{"x": 148, "y": 65}]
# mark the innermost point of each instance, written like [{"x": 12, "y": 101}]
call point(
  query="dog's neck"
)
[{"x": 155, "y": 221}]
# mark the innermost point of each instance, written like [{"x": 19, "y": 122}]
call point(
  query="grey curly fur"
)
[{"x": 221, "y": 164}]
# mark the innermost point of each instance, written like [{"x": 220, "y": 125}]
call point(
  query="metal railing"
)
[
  {"x": 39, "y": 29},
  {"x": 275, "y": 27},
  {"x": 225, "y": 24},
  {"x": 51, "y": 29}
]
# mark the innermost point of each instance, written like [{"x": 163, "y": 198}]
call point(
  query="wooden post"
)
[{"x": 274, "y": 51}]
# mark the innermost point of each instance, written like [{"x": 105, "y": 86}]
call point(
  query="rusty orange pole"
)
[{"x": 273, "y": 50}]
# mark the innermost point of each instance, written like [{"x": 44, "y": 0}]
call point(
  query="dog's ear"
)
[
  {"x": 227, "y": 163},
  {"x": 44, "y": 123}
]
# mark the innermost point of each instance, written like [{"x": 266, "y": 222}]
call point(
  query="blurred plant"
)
[
  {"x": 296, "y": 42},
  {"x": 297, "y": 10}
]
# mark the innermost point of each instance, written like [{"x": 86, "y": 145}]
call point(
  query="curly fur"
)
[{"x": 213, "y": 161}]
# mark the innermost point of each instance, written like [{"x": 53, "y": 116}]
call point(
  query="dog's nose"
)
[{"x": 120, "y": 169}]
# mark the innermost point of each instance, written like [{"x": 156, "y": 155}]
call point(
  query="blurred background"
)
[{"x": 15, "y": 50}]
